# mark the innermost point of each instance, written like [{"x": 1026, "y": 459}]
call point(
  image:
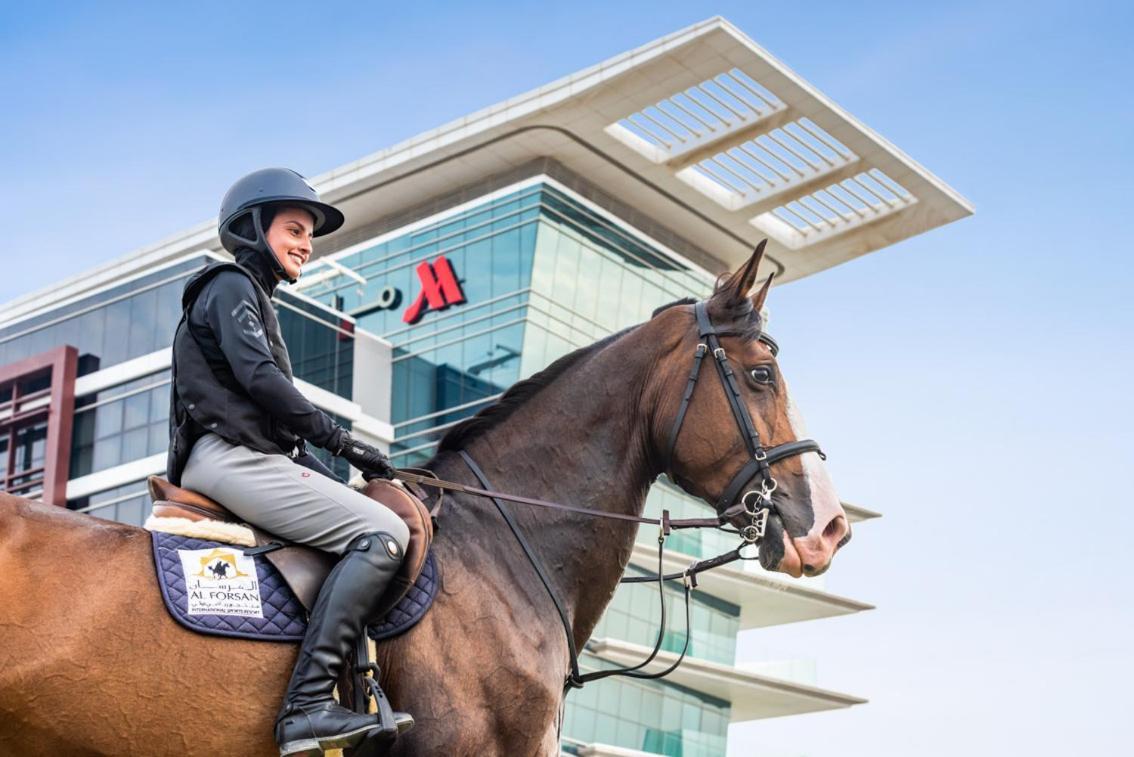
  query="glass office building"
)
[{"x": 473, "y": 256}]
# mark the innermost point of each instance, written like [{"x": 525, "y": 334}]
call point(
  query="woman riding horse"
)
[{"x": 238, "y": 428}]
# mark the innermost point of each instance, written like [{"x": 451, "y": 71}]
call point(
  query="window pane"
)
[
  {"x": 108, "y": 419},
  {"x": 136, "y": 411},
  {"x": 143, "y": 336},
  {"x": 107, "y": 453},
  {"x": 135, "y": 444}
]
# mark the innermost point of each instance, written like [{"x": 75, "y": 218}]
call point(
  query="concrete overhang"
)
[
  {"x": 607, "y": 750},
  {"x": 702, "y": 129},
  {"x": 857, "y": 514},
  {"x": 753, "y": 696},
  {"x": 765, "y": 599}
]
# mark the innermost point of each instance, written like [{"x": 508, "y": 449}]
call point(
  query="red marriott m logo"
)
[{"x": 439, "y": 289}]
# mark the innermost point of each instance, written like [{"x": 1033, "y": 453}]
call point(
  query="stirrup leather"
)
[{"x": 368, "y": 694}]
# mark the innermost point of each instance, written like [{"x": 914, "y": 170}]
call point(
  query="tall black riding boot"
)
[{"x": 310, "y": 720}]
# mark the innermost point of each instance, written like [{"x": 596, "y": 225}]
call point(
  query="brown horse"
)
[{"x": 90, "y": 662}]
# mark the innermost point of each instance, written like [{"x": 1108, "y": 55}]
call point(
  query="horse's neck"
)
[{"x": 582, "y": 440}]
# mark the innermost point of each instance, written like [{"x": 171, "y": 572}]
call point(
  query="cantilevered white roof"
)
[
  {"x": 765, "y": 599},
  {"x": 703, "y": 131},
  {"x": 753, "y": 695},
  {"x": 858, "y": 513}
]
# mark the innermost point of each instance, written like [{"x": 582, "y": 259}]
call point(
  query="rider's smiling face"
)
[{"x": 289, "y": 236}]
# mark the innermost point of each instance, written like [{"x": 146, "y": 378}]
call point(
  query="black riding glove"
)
[{"x": 366, "y": 458}]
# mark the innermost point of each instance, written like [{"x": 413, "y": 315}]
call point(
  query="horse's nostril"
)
[{"x": 808, "y": 569}]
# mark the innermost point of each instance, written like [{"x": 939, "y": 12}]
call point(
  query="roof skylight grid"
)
[
  {"x": 759, "y": 168},
  {"x": 736, "y": 127},
  {"x": 835, "y": 209},
  {"x": 697, "y": 116}
]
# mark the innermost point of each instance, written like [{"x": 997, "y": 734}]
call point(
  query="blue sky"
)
[{"x": 971, "y": 383}]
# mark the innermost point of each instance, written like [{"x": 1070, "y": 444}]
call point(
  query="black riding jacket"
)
[{"x": 231, "y": 371}]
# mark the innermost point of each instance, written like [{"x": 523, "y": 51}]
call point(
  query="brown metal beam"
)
[{"x": 62, "y": 363}]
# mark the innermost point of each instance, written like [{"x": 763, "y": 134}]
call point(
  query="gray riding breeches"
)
[{"x": 285, "y": 499}]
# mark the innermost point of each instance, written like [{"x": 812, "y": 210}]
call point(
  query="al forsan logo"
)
[{"x": 219, "y": 565}]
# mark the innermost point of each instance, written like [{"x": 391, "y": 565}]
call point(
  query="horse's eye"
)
[{"x": 762, "y": 374}]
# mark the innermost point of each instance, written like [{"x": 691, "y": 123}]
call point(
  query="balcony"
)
[
  {"x": 753, "y": 695},
  {"x": 765, "y": 599}
]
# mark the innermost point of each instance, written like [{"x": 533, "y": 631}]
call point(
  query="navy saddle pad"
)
[{"x": 214, "y": 588}]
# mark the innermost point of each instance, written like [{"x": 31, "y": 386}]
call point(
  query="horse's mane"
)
[
  {"x": 675, "y": 303},
  {"x": 465, "y": 431}
]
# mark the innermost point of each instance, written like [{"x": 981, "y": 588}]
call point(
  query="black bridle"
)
[{"x": 756, "y": 504}]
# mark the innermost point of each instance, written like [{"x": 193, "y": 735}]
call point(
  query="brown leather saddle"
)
[{"x": 305, "y": 568}]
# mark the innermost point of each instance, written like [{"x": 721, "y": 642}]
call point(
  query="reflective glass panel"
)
[{"x": 120, "y": 323}]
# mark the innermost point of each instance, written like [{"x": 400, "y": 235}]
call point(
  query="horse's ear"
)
[
  {"x": 759, "y": 297},
  {"x": 736, "y": 287}
]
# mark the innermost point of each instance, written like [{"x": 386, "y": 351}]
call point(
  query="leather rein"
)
[{"x": 756, "y": 504}]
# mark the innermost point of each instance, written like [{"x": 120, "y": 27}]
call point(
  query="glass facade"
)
[
  {"x": 23, "y": 443},
  {"x": 127, "y": 422},
  {"x": 128, "y": 503},
  {"x": 649, "y": 716},
  {"x": 320, "y": 343},
  {"x": 24, "y": 448},
  {"x": 542, "y": 275},
  {"x": 139, "y": 317},
  {"x": 116, "y": 325},
  {"x": 634, "y": 615}
]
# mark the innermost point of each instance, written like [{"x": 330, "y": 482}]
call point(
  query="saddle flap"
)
[{"x": 303, "y": 568}]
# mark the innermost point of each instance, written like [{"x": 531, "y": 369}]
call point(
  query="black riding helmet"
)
[{"x": 248, "y": 206}]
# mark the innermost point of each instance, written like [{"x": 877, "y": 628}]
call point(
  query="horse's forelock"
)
[
  {"x": 732, "y": 312},
  {"x": 728, "y": 311}
]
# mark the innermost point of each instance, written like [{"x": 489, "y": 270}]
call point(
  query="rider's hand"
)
[{"x": 366, "y": 458}]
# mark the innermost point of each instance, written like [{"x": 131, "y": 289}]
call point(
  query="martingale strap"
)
[
  {"x": 575, "y": 679},
  {"x": 533, "y": 559}
]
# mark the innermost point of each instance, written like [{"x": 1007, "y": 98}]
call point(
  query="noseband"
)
[{"x": 755, "y": 503}]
